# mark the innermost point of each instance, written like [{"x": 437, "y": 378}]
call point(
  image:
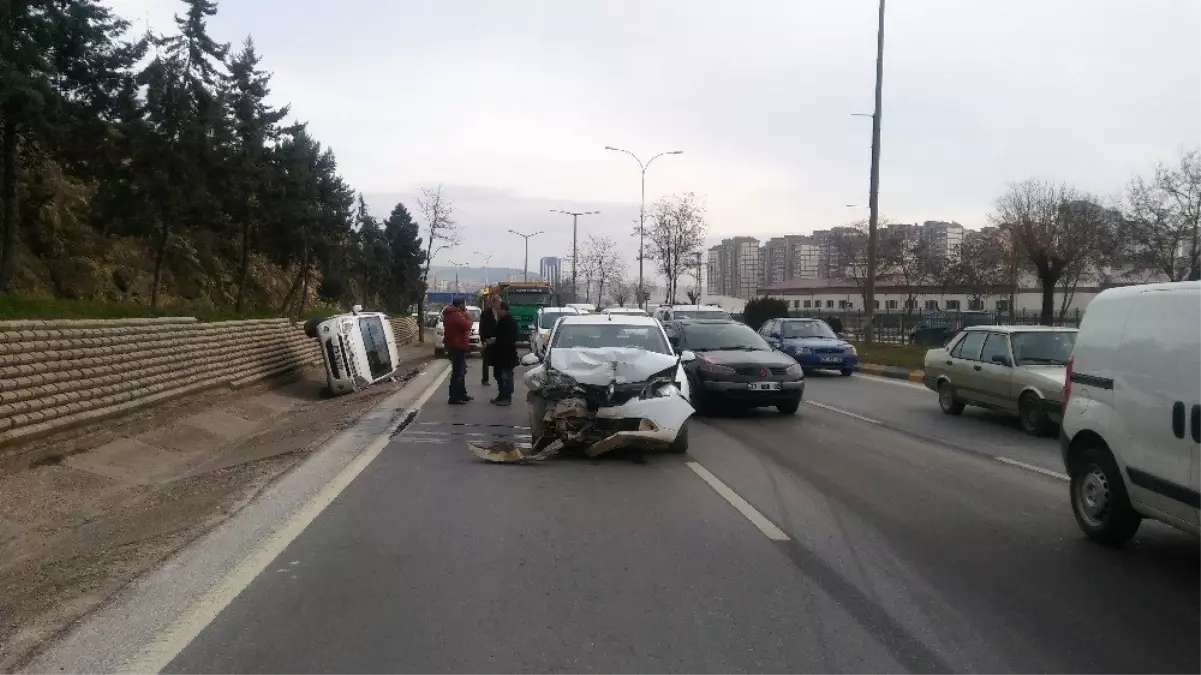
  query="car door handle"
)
[
  {"x": 1178, "y": 419},
  {"x": 977, "y": 367},
  {"x": 1195, "y": 423}
]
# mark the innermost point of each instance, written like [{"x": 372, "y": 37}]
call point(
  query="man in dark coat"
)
[
  {"x": 504, "y": 353},
  {"x": 487, "y": 332}
]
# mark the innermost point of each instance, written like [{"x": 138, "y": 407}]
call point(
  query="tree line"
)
[
  {"x": 1057, "y": 233},
  {"x": 168, "y": 140}
]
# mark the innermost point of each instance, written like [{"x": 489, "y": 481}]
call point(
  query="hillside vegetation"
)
[{"x": 142, "y": 175}]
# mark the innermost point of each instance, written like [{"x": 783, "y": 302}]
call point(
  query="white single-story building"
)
[{"x": 845, "y": 294}]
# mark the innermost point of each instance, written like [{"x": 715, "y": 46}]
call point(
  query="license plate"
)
[
  {"x": 764, "y": 386},
  {"x": 831, "y": 359}
]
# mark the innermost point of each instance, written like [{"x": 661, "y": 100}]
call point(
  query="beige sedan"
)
[{"x": 1016, "y": 369}]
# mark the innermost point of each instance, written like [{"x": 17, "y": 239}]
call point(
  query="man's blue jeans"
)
[
  {"x": 504, "y": 383},
  {"x": 458, "y": 374}
]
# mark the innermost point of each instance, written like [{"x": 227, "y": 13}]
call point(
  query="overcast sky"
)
[{"x": 509, "y": 103}]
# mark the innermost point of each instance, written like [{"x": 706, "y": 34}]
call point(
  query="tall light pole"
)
[
  {"x": 575, "y": 216},
  {"x": 487, "y": 257},
  {"x": 525, "y": 270},
  {"x": 642, "y": 209},
  {"x": 873, "y": 237},
  {"x": 456, "y": 265}
]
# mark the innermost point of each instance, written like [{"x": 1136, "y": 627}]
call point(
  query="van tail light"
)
[{"x": 1067, "y": 381}]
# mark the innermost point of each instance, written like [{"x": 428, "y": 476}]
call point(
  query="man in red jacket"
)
[{"x": 456, "y": 327}]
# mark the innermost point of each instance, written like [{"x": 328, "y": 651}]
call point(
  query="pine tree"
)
[{"x": 404, "y": 244}]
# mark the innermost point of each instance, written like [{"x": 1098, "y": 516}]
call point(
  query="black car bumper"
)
[{"x": 739, "y": 391}]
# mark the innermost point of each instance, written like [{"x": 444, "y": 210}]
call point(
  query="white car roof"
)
[
  {"x": 561, "y": 310},
  {"x": 718, "y": 307},
  {"x": 619, "y": 319},
  {"x": 622, "y": 310}
]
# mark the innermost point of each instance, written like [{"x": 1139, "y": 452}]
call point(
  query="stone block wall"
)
[{"x": 57, "y": 374}]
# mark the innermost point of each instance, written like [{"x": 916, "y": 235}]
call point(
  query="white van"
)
[
  {"x": 359, "y": 349},
  {"x": 1131, "y": 430}
]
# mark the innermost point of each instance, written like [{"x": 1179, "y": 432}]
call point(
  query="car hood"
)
[
  {"x": 793, "y": 343},
  {"x": 734, "y": 357},
  {"x": 599, "y": 366}
]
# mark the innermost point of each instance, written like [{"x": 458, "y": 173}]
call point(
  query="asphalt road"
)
[{"x": 894, "y": 552}]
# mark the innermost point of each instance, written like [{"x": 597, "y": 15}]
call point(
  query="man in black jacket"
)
[
  {"x": 487, "y": 331},
  {"x": 504, "y": 353}
]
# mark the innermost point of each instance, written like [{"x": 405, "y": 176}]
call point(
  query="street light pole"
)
[
  {"x": 525, "y": 271},
  {"x": 642, "y": 210},
  {"x": 575, "y": 215},
  {"x": 873, "y": 236},
  {"x": 487, "y": 257}
]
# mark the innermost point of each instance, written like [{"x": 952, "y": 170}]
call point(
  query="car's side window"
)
[
  {"x": 766, "y": 328},
  {"x": 969, "y": 347},
  {"x": 997, "y": 344}
]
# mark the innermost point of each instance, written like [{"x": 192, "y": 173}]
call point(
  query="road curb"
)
[{"x": 894, "y": 372}]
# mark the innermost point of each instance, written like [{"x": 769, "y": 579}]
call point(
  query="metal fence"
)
[{"x": 895, "y": 326}]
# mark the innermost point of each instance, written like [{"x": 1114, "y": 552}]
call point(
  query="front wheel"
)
[
  {"x": 1030, "y": 412},
  {"x": 947, "y": 399},
  {"x": 680, "y": 445},
  {"x": 848, "y": 372},
  {"x": 1099, "y": 500},
  {"x": 790, "y": 407}
]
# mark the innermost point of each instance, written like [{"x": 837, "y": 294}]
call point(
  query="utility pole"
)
[
  {"x": 525, "y": 270},
  {"x": 487, "y": 257},
  {"x": 642, "y": 211},
  {"x": 574, "y": 236},
  {"x": 873, "y": 236}
]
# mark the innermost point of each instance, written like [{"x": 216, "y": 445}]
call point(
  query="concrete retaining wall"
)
[{"x": 57, "y": 374}]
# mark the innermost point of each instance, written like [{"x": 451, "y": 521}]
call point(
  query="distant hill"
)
[{"x": 476, "y": 274}]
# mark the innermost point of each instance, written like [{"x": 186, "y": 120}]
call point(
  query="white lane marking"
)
[
  {"x": 752, "y": 514},
  {"x": 1031, "y": 467},
  {"x": 840, "y": 411},
  {"x": 168, "y": 644}
]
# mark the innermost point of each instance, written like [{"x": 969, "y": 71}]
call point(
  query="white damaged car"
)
[{"x": 606, "y": 382}]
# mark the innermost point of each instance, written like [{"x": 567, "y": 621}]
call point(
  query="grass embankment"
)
[
  {"x": 905, "y": 356},
  {"x": 12, "y": 308}
]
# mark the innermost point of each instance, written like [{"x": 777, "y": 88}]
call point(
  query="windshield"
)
[
  {"x": 699, "y": 314},
  {"x": 806, "y": 329},
  {"x": 549, "y": 318},
  {"x": 595, "y": 335},
  {"x": 527, "y": 296},
  {"x": 1050, "y": 348},
  {"x": 710, "y": 337},
  {"x": 474, "y": 313}
]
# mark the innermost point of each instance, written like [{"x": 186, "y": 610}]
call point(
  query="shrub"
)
[{"x": 759, "y": 310}]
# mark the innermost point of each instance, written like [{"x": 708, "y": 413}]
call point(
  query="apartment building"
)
[{"x": 734, "y": 267}]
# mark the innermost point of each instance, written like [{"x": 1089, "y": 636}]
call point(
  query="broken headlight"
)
[{"x": 662, "y": 383}]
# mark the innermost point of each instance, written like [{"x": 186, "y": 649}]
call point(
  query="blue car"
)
[{"x": 812, "y": 343}]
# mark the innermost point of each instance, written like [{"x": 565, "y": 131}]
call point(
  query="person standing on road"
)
[
  {"x": 487, "y": 332},
  {"x": 456, "y": 323},
  {"x": 504, "y": 353}
]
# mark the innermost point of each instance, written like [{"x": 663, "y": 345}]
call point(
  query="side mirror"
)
[
  {"x": 687, "y": 355},
  {"x": 1001, "y": 359},
  {"x": 530, "y": 360}
]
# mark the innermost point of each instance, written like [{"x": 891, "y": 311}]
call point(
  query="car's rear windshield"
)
[
  {"x": 715, "y": 336},
  {"x": 607, "y": 334},
  {"x": 806, "y": 329},
  {"x": 1051, "y": 348},
  {"x": 699, "y": 314},
  {"x": 549, "y": 318}
]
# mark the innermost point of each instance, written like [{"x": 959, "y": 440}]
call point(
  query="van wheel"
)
[
  {"x": 680, "y": 445},
  {"x": 947, "y": 400},
  {"x": 1099, "y": 500},
  {"x": 1030, "y": 412}
]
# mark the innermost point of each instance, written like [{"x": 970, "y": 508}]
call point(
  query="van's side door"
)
[{"x": 1155, "y": 387}]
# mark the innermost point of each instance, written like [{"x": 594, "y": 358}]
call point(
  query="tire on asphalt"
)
[
  {"x": 680, "y": 445},
  {"x": 848, "y": 373},
  {"x": 1099, "y": 499},
  {"x": 790, "y": 407},
  {"x": 1030, "y": 413},
  {"x": 948, "y": 400}
]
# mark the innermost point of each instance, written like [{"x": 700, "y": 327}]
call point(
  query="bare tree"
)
[
  {"x": 849, "y": 245},
  {"x": 601, "y": 264},
  {"x": 441, "y": 232},
  {"x": 981, "y": 269},
  {"x": 1053, "y": 227},
  {"x": 909, "y": 262},
  {"x": 623, "y": 292},
  {"x": 694, "y": 297},
  {"x": 1162, "y": 219},
  {"x": 675, "y": 234}
]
